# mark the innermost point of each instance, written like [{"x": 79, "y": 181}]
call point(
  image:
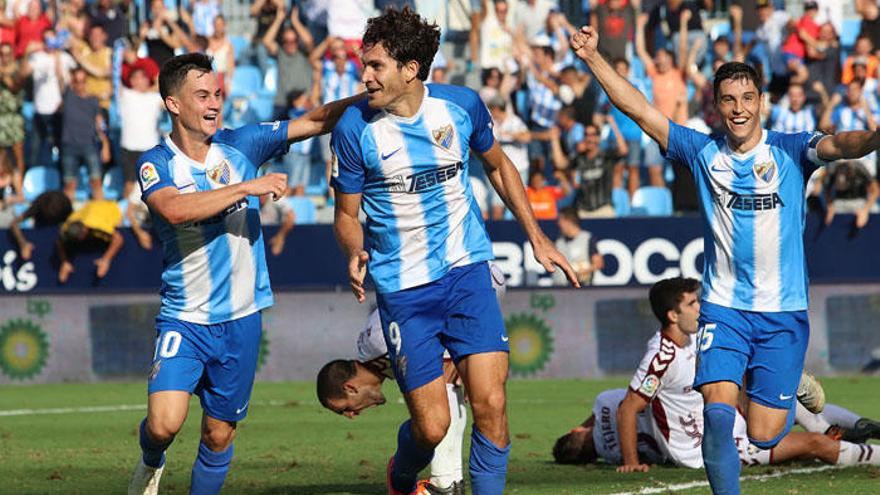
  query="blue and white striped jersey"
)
[
  {"x": 215, "y": 269},
  {"x": 783, "y": 119},
  {"x": 754, "y": 211},
  {"x": 544, "y": 103},
  {"x": 336, "y": 86},
  {"x": 422, "y": 219}
]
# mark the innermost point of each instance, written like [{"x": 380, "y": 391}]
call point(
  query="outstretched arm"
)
[
  {"x": 320, "y": 120},
  {"x": 621, "y": 93},
  {"x": 848, "y": 145}
]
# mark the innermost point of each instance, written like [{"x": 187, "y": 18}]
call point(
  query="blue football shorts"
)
[
  {"x": 458, "y": 312},
  {"x": 767, "y": 348},
  {"x": 217, "y": 362}
]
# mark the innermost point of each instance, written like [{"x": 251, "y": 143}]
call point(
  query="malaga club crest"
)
[
  {"x": 220, "y": 174},
  {"x": 766, "y": 171},
  {"x": 443, "y": 136}
]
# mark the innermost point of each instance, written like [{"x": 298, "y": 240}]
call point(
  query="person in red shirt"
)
[
  {"x": 30, "y": 28},
  {"x": 805, "y": 33}
]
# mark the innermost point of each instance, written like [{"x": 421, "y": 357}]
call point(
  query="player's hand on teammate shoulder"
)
[
  {"x": 550, "y": 258},
  {"x": 357, "y": 271},
  {"x": 633, "y": 468},
  {"x": 584, "y": 43},
  {"x": 273, "y": 183}
]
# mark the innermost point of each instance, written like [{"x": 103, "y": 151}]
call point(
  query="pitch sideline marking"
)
[
  {"x": 102, "y": 409},
  {"x": 702, "y": 484}
]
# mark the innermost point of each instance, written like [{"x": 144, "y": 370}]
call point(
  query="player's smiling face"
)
[
  {"x": 198, "y": 103},
  {"x": 385, "y": 78},
  {"x": 739, "y": 103}
]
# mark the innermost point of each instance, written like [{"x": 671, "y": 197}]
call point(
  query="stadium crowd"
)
[{"x": 79, "y": 98}]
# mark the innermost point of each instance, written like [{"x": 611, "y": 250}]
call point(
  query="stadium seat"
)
[
  {"x": 303, "y": 208},
  {"x": 123, "y": 207},
  {"x": 113, "y": 183},
  {"x": 246, "y": 81},
  {"x": 239, "y": 44},
  {"x": 620, "y": 201},
  {"x": 652, "y": 201},
  {"x": 851, "y": 29},
  {"x": 270, "y": 81},
  {"x": 720, "y": 29},
  {"x": 38, "y": 180},
  {"x": 262, "y": 107},
  {"x": 83, "y": 190}
]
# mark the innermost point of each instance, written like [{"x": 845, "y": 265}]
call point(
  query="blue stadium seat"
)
[
  {"x": 851, "y": 29},
  {"x": 38, "y": 180},
  {"x": 83, "y": 189},
  {"x": 113, "y": 183},
  {"x": 652, "y": 201},
  {"x": 720, "y": 29},
  {"x": 620, "y": 201},
  {"x": 123, "y": 207},
  {"x": 303, "y": 208},
  {"x": 270, "y": 80},
  {"x": 246, "y": 81},
  {"x": 239, "y": 44},
  {"x": 263, "y": 107}
]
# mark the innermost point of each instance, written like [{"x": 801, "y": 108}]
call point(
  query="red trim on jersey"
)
[
  {"x": 659, "y": 364},
  {"x": 660, "y": 417}
]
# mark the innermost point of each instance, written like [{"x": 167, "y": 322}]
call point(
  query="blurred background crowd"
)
[{"x": 79, "y": 96}]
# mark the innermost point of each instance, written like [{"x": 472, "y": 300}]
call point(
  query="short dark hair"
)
[
  {"x": 174, "y": 71},
  {"x": 50, "y": 208},
  {"x": 570, "y": 213},
  {"x": 736, "y": 71},
  {"x": 406, "y": 36},
  {"x": 568, "y": 111},
  {"x": 567, "y": 451},
  {"x": 332, "y": 378},
  {"x": 667, "y": 293}
]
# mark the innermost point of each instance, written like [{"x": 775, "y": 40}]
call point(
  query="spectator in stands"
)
[
  {"x": 769, "y": 37},
  {"x": 97, "y": 60},
  {"x": 49, "y": 66},
  {"x": 112, "y": 17},
  {"x": 497, "y": 82},
  {"x": 543, "y": 86},
  {"x": 851, "y": 113},
  {"x": 616, "y": 20},
  {"x": 347, "y": 20},
  {"x": 579, "y": 248},
  {"x": 583, "y": 94},
  {"x": 593, "y": 172},
  {"x": 204, "y": 13},
  {"x": 514, "y": 137},
  {"x": 805, "y": 33},
  {"x": 32, "y": 27},
  {"x": 496, "y": 35},
  {"x": 571, "y": 131},
  {"x": 863, "y": 51},
  {"x": 635, "y": 159},
  {"x": 691, "y": 23},
  {"x": 161, "y": 33},
  {"x": 138, "y": 216},
  {"x": 220, "y": 48},
  {"x": 295, "y": 71},
  {"x": 81, "y": 120},
  {"x": 265, "y": 12},
  {"x": 824, "y": 63},
  {"x": 140, "y": 109},
  {"x": 792, "y": 114},
  {"x": 11, "y": 120},
  {"x": 88, "y": 229},
  {"x": 531, "y": 16},
  {"x": 667, "y": 79},
  {"x": 276, "y": 213},
  {"x": 47, "y": 210},
  {"x": 298, "y": 160},
  {"x": 543, "y": 198},
  {"x": 869, "y": 11},
  {"x": 849, "y": 188}
]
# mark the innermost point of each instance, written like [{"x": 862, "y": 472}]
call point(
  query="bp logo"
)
[
  {"x": 24, "y": 349},
  {"x": 531, "y": 343}
]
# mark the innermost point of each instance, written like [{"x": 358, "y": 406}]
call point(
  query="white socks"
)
[
  {"x": 446, "y": 464},
  {"x": 852, "y": 454}
]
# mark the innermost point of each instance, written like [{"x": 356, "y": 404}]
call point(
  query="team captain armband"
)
[{"x": 813, "y": 148}]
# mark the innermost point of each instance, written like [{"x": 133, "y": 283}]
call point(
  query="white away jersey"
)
[
  {"x": 665, "y": 379},
  {"x": 215, "y": 269},
  {"x": 422, "y": 219},
  {"x": 754, "y": 212},
  {"x": 606, "y": 437},
  {"x": 371, "y": 346}
]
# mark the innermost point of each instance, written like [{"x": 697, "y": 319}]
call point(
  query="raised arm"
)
[
  {"x": 621, "y": 93},
  {"x": 270, "y": 38},
  {"x": 627, "y": 429},
  {"x": 641, "y": 51},
  {"x": 514, "y": 196},
  {"x": 305, "y": 36},
  {"x": 320, "y": 120}
]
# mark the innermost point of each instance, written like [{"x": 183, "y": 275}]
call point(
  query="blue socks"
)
[
  {"x": 488, "y": 465},
  {"x": 719, "y": 449},
  {"x": 154, "y": 453},
  {"x": 408, "y": 460},
  {"x": 209, "y": 470}
]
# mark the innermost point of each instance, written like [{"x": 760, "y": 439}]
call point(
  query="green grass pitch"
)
[{"x": 289, "y": 445}]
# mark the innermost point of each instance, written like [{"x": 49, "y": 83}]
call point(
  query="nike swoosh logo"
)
[
  {"x": 385, "y": 157},
  {"x": 504, "y": 338},
  {"x": 785, "y": 397},
  {"x": 242, "y": 408},
  {"x": 720, "y": 169}
]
